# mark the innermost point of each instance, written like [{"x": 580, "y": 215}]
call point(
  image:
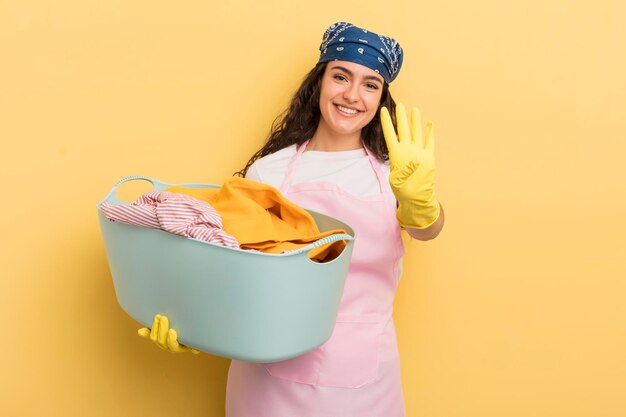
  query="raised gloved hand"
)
[
  {"x": 163, "y": 336},
  {"x": 412, "y": 165}
]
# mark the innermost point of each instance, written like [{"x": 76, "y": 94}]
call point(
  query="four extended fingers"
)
[{"x": 406, "y": 133}]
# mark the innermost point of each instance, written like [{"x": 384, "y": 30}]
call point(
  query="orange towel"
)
[{"x": 260, "y": 218}]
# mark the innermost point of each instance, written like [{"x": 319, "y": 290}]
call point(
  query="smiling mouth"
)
[{"x": 346, "y": 110}]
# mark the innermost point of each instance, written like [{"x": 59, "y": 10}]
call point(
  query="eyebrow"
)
[{"x": 367, "y": 77}]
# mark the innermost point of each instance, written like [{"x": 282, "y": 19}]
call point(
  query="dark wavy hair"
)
[{"x": 299, "y": 121}]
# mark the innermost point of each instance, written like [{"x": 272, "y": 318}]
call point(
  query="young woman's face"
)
[{"x": 349, "y": 97}]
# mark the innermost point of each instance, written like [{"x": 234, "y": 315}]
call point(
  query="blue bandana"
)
[{"x": 345, "y": 42}]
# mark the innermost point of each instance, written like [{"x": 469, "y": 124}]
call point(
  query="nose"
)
[{"x": 351, "y": 93}]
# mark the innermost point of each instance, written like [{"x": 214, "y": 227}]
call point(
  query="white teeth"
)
[{"x": 347, "y": 110}]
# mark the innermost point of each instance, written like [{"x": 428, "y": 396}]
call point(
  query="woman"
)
[{"x": 335, "y": 151}]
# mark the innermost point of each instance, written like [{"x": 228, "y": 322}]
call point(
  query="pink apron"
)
[{"x": 364, "y": 335}]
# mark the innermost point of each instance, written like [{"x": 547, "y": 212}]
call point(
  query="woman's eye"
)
[
  {"x": 340, "y": 77},
  {"x": 372, "y": 86}
]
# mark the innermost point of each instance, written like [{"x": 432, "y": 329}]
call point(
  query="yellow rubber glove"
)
[
  {"x": 163, "y": 336},
  {"x": 412, "y": 165}
]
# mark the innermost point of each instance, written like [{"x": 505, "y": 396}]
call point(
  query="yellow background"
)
[{"x": 517, "y": 309}]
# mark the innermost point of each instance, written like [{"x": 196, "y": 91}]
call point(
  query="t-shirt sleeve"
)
[
  {"x": 253, "y": 173},
  {"x": 271, "y": 168}
]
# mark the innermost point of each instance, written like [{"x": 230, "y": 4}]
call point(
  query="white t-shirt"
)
[{"x": 350, "y": 170}]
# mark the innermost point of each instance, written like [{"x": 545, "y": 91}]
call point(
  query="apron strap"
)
[
  {"x": 382, "y": 181},
  {"x": 291, "y": 168}
]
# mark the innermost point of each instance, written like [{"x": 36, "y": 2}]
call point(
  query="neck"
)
[{"x": 328, "y": 141}]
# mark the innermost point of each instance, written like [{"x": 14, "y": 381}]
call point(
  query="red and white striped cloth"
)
[{"x": 174, "y": 213}]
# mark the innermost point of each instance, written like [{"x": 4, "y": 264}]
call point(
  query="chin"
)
[
  {"x": 346, "y": 132},
  {"x": 347, "y": 128}
]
